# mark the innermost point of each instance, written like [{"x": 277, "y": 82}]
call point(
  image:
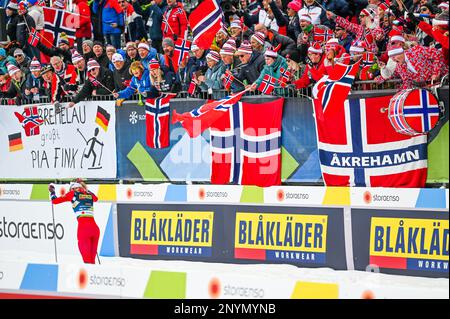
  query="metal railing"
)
[{"x": 217, "y": 94}]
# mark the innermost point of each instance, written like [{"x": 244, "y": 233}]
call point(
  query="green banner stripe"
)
[{"x": 145, "y": 164}]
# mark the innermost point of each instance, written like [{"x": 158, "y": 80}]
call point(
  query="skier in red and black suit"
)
[{"x": 82, "y": 201}]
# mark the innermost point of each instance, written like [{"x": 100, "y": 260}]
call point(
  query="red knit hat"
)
[
  {"x": 154, "y": 64},
  {"x": 396, "y": 35},
  {"x": 295, "y": 5},
  {"x": 395, "y": 51},
  {"x": 259, "y": 37}
]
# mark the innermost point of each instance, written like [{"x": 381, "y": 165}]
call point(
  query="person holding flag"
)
[
  {"x": 100, "y": 81},
  {"x": 140, "y": 82},
  {"x": 25, "y": 24},
  {"x": 252, "y": 64},
  {"x": 212, "y": 78},
  {"x": 82, "y": 201},
  {"x": 274, "y": 62},
  {"x": 312, "y": 72},
  {"x": 174, "y": 21}
]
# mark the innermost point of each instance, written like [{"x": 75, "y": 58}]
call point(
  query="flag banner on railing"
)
[
  {"x": 357, "y": 144},
  {"x": 71, "y": 143},
  {"x": 157, "y": 113},
  {"x": 246, "y": 144}
]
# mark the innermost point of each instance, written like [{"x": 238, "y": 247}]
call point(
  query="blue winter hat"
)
[{"x": 3, "y": 52}]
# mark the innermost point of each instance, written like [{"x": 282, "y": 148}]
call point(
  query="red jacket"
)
[
  {"x": 82, "y": 8},
  {"x": 176, "y": 17}
]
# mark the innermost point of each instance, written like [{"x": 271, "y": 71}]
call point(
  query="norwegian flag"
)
[
  {"x": 246, "y": 144},
  {"x": 322, "y": 35},
  {"x": 205, "y": 21},
  {"x": 199, "y": 119},
  {"x": 157, "y": 112},
  {"x": 359, "y": 147},
  {"x": 34, "y": 37},
  {"x": 267, "y": 84},
  {"x": 285, "y": 75},
  {"x": 180, "y": 52},
  {"x": 57, "y": 21},
  {"x": 30, "y": 121},
  {"x": 420, "y": 111},
  {"x": 227, "y": 80},
  {"x": 94, "y": 81},
  {"x": 335, "y": 87}
]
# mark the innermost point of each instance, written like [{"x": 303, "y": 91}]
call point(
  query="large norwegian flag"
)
[
  {"x": 157, "y": 113},
  {"x": 205, "y": 22},
  {"x": 57, "y": 21},
  {"x": 180, "y": 52},
  {"x": 246, "y": 145},
  {"x": 359, "y": 147},
  {"x": 198, "y": 120}
]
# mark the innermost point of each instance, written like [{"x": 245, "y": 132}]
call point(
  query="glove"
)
[
  {"x": 175, "y": 37},
  {"x": 51, "y": 188}
]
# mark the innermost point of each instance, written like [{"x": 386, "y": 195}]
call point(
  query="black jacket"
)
[
  {"x": 250, "y": 71},
  {"x": 102, "y": 60},
  {"x": 17, "y": 90},
  {"x": 105, "y": 78},
  {"x": 122, "y": 75},
  {"x": 288, "y": 45},
  {"x": 66, "y": 55}
]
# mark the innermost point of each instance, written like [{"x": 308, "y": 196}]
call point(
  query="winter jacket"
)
[
  {"x": 273, "y": 69},
  {"x": 152, "y": 54},
  {"x": 251, "y": 71},
  {"x": 111, "y": 13},
  {"x": 11, "y": 26},
  {"x": 193, "y": 65},
  {"x": 177, "y": 20},
  {"x": 7, "y": 59},
  {"x": 83, "y": 9},
  {"x": 33, "y": 82},
  {"x": 105, "y": 78},
  {"x": 155, "y": 14},
  {"x": 287, "y": 44},
  {"x": 142, "y": 85},
  {"x": 318, "y": 16},
  {"x": 213, "y": 77},
  {"x": 102, "y": 60},
  {"x": 17, "y": 90},
  {"x": 122, "y": 77},
  {"x": 66, "y": 55},
  {"x": 22, "y": 29}
]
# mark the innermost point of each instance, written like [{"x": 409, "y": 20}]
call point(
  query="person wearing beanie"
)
[
  {"x": 24, "y": 24},
  {"x": 293, "y": 28},
  {"x": 34, "y": 86},
  {"x": 161, "y": 82},
  {"x": 313, "y": 71},
  {"x": 147, "y": 53},
  {"x": 5, "y": 59},
  {"x": 132, "y": 52},
  {"x": 419, "y": 64},
  {"x": 258, "y": 42},
  {"x": 112, "y": 17},
  {"x": 273, "y": 63},
  {"x": 140, "y": 82},
  {"x": 287, "y": 45},
  {"x": 174, "y": 21},
  {"x": 196, "y": 64},
  {"x": 228, "y": 58},
  {"x": 67, "y": 75},
  {"x": 99, "y": 81},
  {"x": 213, "y": 76},
  {"x": 252, "y": 63},
  {"x": 22, "y": 61},
  {"x": 367, "y": 30},
  {"x": 121, "y": 73},
  {"x": 12, "y": 19},
  {"x": 87, "y": 49},
  {"x": 17, "y": 88},
  {"x": 219, "y": 40}
]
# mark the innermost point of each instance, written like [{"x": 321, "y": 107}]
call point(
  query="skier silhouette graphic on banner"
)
[{"x": 91, "y": 150}]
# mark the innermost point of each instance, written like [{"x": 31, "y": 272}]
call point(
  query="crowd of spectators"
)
[{"x": 124, "y": 47}]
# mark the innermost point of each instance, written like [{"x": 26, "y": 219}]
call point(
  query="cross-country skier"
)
[{"x": 82, "y": 201}]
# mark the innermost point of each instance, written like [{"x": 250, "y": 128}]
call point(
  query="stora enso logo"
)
[{"x": 367, "y": 197}]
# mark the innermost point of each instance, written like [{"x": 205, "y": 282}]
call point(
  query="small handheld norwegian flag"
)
[
  {"x": 192, "y": 88},
  {"x": 285, "y": 75},
  {"x": 267, "y": 85},
  {"x": 34, "y": 37},
  {"x": 227, "y": 80}
]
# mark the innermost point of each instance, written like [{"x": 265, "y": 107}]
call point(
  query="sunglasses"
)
[
  {"x": 16, "y": 56},
  {"x": 241, "y": 55},
  {"x": 362, "y": 16},
  {"x": 423, "y": 9}
]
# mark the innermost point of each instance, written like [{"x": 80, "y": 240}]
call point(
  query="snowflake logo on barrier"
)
[{"x": 133, "y": 117}]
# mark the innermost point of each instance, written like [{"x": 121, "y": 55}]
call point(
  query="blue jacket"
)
[
  {"x": 152, "y": 54},
  {"x": 155, "y": 13},
  {"x": 142, "y": 85},
  {"x": 110, "y": 14}
]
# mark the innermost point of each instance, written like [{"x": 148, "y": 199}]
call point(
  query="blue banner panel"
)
[{"x": 304, "y": 237}]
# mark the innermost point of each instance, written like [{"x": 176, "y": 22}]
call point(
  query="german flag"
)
[
  {"x": 102, "y": 118},
  {"x": 15, "y": 142}
]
